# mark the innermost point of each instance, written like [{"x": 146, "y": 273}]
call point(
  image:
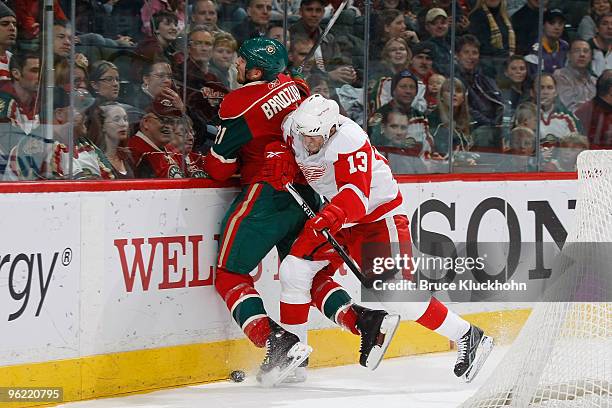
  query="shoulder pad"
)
[{"x": 349, "y": 138}]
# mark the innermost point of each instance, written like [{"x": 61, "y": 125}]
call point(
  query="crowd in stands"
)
[{"x": 136, "y": 84}]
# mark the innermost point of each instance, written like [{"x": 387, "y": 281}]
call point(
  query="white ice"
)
[{"x": 424, "y": 381}]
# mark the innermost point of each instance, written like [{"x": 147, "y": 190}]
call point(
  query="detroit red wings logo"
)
[{"x": 312, "y": 173}]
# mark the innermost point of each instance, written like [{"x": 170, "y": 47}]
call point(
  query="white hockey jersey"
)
[{"x": 348, "y": 161}]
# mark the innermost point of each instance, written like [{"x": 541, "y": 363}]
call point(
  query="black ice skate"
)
[
  {"x": 377, "y": 328},
  {"x": 472, "y": 349},
  {"x": 284, "y": 353}
]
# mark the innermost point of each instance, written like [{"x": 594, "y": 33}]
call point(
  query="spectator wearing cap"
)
[
  {"x": 485, "y": 103},
  {"x": 256, "y": 24},
  {"x": 526, "y": 22},
  {"x": 596, "y": 114},
  {"x": 462, "y": 21},
  {"x": 404, "y": 88},
  {"x": 587, "y": 28},
  {"x": 575, "y": 82},
  {"x": 436, "y": 24},
  {"x": 489, "y": 22},
  {"x": 8, "y": 38},
  {"x": 601, "y": 45},
  {"x": 554, "y": 48},
  {"x": 151, "y": 159}
]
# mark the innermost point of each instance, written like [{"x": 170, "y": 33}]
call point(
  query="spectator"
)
[
  {"x": 182, "y": 143},
  {"x": 520, "y": 156},
  {"x": 485, "y": 103},
  {"x": 461, "y": 19},
  {"x": 276, "y": 32},
  {"x": 554, "y": 48},
  {"x": 318, "y": 83},
  {"x": 404, "y": 90},
  {"x": 205, "y": 90},
  {"x": 230, "y": 13},
  {"x": 152, "y": 7},
  {"x": 433, "y": 90},
  {"x": 205, "y": 14},
  {"x": 223, "y": 57},
  {"x": 390, "y": 24},
  {"x": 395, "y": 57},
  {"x": 18, "y": 98},
  {"x": 309, "y": 25},
  {"x": 439, "y": 121},
  {"x": 62, "y": 73},
  {"x": 104, "y": 81},
  {"x": 62, "y": 40},
  {"x": 421, "y": 66},
  {"x": 150, "y": 156},
  {"x": 300, "y": 46},
  {"x": 489, "y": 22},
  {"x": 163, "y": 41},
  {"x": 601, "y": 45},
  {"x": 156, "y": 81},
  {"x": 570, "y": 147},
  {"x": 109, "y": 129},
  {"x": 514, "y": 84},
  {"x": 28, "y": 12},
  {"x": 8, "y": 38},
  {"x": 526, "y": 23},
  {"x": 587, "y": 28},
  {"x": 401, "y": 152},
  {"x": 526, "y": 115},
  {"x": 436, "y": 24},
  {"x": 575, "y": 83},
  {"x": 556, "y": 120},
  {"x": 596, "y": 114},
  {"x": 256, "y": 24}
]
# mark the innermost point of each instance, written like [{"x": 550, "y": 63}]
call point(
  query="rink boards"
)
[{"x": 107, "y": 288}]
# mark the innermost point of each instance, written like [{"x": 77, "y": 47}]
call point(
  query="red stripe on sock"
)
[
  {"x": 294, "y": 313},
  {"x": 258, "y": 331},
  {"x": 434, "y": 316}
]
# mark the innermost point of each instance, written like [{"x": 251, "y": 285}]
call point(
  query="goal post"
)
[{"x": 563, "y": 355}]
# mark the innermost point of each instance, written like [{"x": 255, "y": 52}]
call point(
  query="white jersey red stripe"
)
[
  {"x": 5, "y": 59},
  {"x": 348, "y": 161}
]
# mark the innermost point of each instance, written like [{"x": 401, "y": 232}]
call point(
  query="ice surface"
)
[{"x": 425, "y": 381}]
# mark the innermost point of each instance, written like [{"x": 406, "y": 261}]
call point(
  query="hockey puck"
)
[{"x": 237, "y": 376}]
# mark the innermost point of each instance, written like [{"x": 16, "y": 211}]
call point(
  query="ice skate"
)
[
  {"x": 377, "y": 328},
  {"x": 284, "y": 354},
  {"x": 472, "y": 351},
  {"x": 298, "y": 375}
]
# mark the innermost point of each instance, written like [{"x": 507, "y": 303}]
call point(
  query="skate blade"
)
[
  {"x": 299, "y": 352},
  {"x": 297, "y": 376},
  {"x": 388, "y": 327},
  {"x": 484, "y": 349}
]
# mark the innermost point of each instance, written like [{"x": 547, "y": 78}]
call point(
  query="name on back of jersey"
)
[{"x": 281, "y": 100}]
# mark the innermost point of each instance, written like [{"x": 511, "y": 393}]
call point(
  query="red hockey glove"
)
[
  {"x": 331, "y": 217},
  {"x": 279, "y": 166}
]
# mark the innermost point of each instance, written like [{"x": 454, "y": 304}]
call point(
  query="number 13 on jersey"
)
[{"x": 358, "y": 162}]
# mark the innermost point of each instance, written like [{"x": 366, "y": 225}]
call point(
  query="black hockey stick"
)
[
  {"x": 330, "y": 24},
  {"x": 350, "y": 262}
]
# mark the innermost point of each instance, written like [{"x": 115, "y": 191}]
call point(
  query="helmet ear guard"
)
[{"x": 316, "y": 116}]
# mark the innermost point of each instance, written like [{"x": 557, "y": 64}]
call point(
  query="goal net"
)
[{"x": 563, "y": 355}]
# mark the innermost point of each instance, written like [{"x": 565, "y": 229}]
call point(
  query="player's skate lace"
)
[{"x": 462, "y": 349}]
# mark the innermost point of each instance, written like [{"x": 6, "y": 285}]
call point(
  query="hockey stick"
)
[
  {"x": 330, "y": 24},
  {"x": 332, "y": 241}
]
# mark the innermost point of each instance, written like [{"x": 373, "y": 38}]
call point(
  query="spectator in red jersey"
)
[
  {"x": 596, "y": 114},
  {"x": 8, "y": 37},
  {"x": 28, "y": 16},
  {"x": 151, "y": 158}
]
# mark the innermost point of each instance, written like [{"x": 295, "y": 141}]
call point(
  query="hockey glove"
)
[
  {"x": 279, "y": 166},
  {"x": 331, "y": 217}
]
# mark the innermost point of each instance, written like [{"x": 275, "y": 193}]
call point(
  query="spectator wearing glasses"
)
[
  {"x": 104, "y": 81},
  {"x": 151, "y": 158},
  {"x": 575, "y": 83},
  {"x": 8, "y": 38},
  {"x": 257, "y": 23}
]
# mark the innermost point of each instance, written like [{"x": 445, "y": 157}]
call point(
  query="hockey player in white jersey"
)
[{"x": 364, "y": 206}]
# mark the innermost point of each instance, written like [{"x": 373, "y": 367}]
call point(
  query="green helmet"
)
[{"x": 266, "y": 54}]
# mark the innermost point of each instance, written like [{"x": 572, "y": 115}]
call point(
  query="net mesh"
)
[{"x": 563, "y": 355}]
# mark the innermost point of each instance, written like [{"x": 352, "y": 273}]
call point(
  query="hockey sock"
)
[
  {"x": 294, "y": 318},
  {"x": 244, "y": 303},
  {"x": 438, "y": 318},
  {"x": 334, "y": 302}
]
